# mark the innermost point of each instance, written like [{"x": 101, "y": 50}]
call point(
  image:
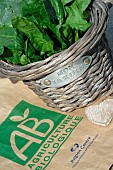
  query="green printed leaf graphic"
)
[
  {"x": 20, "y": 118},
  {"x": 26, "y": 113},
  {"x": 17, "y": 118}
]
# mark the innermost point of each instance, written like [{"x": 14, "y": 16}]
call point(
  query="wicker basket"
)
[{"x": 94, "y": 82}]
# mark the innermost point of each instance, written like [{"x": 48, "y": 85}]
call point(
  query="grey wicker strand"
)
[{"x": 95, "y": 82}]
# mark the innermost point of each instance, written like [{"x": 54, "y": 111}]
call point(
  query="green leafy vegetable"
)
[
  {"x": 8, "y": 10},
  {"x": 9, "y": 39},
  {"x": 44, "y": 15},
  {"x": 58, "y": 6},
  {"x": 65, "y": 2},
  {"x": 40, "y": 41},
  {"x": 33, "y": 30},
  {"x": 75, "y": 13},
  {"x": 82, "y": 5}
]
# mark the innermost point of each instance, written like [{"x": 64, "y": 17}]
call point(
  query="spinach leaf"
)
[
  {"x": 9, "y": 39},
  {"x": 76, "y": 17},
  {"x": 43, "y": 16},
  {"x": 38, "y": 10},
  {"x": 11, "y": 47},
  {"x": 82, "y": 5},
  {"x": 67, "y": 34},
  {"x": 8, "y": 10},
  {"x": 65, "y": 2},
  {"x": 15, "y": 58},
  {"x": 39, "y": 40},
  {"x": 24, "y": 60},
  {"x": 31, "y": 53},
  {"x": 58, "y": 6}
]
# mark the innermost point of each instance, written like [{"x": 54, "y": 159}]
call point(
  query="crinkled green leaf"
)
[
  {"x": 76, "y": 18},
  {"x": 39, "y": 40},
  {"x": 39, "y": 11},
  {"x": 15, "y": 58},
  {"x": 24, "y": 60},
  {"x": 59, "y": 8},
  {"x": 43, "y": 13},
  {"x": 65, "y": 2},
  {"x": 8, "y": 10},
  {"x": 1, "y": 50},
  {"x": 67, "y": 34},
  {"x": 9, "y": 39},
  {"x": 82, "y": 4}
]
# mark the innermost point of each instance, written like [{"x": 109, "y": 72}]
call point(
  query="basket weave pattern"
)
[{"x": 96, "y": 81}]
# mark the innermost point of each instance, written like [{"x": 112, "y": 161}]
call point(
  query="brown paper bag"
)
[{"x": 34, "y": 136}]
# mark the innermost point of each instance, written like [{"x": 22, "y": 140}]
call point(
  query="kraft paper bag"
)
[{"x": 34, "y": 136}]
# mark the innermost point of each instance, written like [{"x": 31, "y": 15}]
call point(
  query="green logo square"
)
[{"x": 25, "y": 130}]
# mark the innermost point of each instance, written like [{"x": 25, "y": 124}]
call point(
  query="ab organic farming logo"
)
[{"x": 31, "y": 136}]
